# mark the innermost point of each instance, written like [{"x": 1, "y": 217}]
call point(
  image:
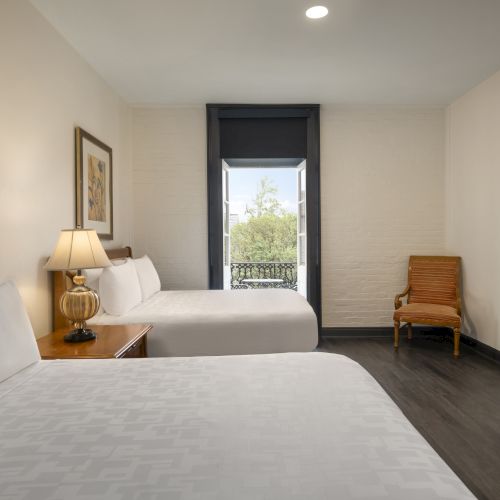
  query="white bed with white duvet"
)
[
  {"x": 218, "y": 322},
  {"x": 203, "y": 322},
  {"x": 267, "y": 427}
]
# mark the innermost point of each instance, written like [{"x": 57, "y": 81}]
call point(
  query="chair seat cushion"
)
[{"x": 428, "y": 313}]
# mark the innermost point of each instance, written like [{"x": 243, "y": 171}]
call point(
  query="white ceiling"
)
[{"x": 258, "y": 51}]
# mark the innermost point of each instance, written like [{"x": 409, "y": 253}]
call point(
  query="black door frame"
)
[{"x": 214, "y": 185}]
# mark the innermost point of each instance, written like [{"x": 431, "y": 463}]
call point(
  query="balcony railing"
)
[{"x": 264, "y": 275}]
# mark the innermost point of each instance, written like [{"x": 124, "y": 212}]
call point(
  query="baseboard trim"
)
[
  {"x": 387, "y": 331},
  {"x": 484, "y": 349},
  {"x": 356, "y": 332},
  {"x": 372, "y": 331}
]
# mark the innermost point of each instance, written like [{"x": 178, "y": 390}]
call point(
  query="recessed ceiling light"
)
[{"x": 316, "y": 12}]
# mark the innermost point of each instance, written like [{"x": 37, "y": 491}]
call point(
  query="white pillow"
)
[
  {"x": 119, "y": 262},
  {"x": 92, "y": 277},
  {"x": 19, "y": 348},
  {"x": 119, "y": 288},
  {"x": 148, "y": 277}
]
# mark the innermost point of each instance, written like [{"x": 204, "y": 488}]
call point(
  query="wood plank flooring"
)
[{"x": 454, "y": 404}]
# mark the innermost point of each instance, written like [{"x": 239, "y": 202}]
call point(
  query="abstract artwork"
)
[
  {"x": 94, "y": 184},
  {"x": 96, "y": 189}
]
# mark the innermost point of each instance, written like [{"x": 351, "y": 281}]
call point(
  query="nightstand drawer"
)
[{"x": 136, "y": 350}]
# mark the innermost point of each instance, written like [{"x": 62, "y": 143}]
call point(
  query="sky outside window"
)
[{"x": 244, "y": 184}]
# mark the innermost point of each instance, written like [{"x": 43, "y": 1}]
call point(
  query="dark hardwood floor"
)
[{"x": 454, "y": 404}]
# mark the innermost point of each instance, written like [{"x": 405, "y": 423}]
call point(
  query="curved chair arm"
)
[
  {"x": 397, "y": 299},
  {"x": 459, "y": 305}
]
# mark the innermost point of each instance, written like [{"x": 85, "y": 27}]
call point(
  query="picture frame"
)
[{"x": 94, "y": 184}]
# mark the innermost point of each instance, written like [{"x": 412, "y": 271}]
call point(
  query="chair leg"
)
[
  {"x": 396, "y": 335},
  {"x": 410, "y": 331},
  {"x": 456, "y": 342}
]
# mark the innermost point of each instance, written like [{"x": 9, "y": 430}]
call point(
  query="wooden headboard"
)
[{"x": 61, "y": 281}]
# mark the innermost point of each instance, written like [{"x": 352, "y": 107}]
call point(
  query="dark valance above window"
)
[{"x": 263, "y": 137}]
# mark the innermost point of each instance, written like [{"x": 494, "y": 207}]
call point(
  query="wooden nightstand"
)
[{"x": 113, "y": 341}]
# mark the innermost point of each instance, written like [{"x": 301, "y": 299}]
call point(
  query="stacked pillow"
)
[
  {"x": 125, "y": 284},
  {"x": 19, "y": 348},
  {"x": 148, "y": 277}
]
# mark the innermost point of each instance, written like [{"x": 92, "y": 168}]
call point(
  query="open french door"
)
[
  {"x": 249, "y": 131},
  {"x": 301, "y": 230},
  {"x": 226, "y": 226}
]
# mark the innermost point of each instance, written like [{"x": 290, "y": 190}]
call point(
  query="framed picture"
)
[{"x": 94, "y": 184}]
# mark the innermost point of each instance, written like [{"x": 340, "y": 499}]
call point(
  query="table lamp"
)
[{"x": 78, "y": 249}]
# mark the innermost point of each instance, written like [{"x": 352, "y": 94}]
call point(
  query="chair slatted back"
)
[{"x": 434, "y": 280}]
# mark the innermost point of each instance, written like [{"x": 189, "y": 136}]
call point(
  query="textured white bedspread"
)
[
  {"x": 218, "y": 322},
  {"x": 267, "y": 427}
]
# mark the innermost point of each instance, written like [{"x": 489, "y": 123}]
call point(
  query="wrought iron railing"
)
[{"x": 264, "y": 275}]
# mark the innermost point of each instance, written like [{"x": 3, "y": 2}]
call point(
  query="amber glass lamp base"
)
[{"x": 79, "y": 304}]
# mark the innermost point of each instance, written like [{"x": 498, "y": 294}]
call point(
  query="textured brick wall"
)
[
  {"x": 382, "y": 183},
  {"x": 170, "y": 202},
  {"x": 382, "y": 199}
]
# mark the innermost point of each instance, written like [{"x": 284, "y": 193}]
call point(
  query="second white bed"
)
[{"x": 220, "y": 322}]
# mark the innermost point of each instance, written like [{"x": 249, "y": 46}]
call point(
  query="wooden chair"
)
[{"x": 433, "y": 296}]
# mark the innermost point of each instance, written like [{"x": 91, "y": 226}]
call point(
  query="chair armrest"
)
[{"x": 397, "y": 299}]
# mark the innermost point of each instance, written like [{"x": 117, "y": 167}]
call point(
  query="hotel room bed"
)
[
  {"x": 210, "y": 322},
  {"x": 267, "y": 427},
  {"x": 219, "y": 322},
  {"x": 277, "y": 426}
]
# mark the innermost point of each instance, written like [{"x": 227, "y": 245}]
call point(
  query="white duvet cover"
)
[
  {"x": 268, "y": 427},
  {"x": 218, "y": 322}
]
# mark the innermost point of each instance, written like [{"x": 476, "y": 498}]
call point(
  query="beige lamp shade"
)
[{"x": 77, "y": 249}]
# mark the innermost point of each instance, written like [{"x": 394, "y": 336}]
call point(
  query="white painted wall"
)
[
  {"x": 473, "y": 204},
  {"x": 46, "y": 90},
  {"x": 382, "y": 184},
  {"x": 170, "y": 200},
  {"x": 382, "y": 199}
]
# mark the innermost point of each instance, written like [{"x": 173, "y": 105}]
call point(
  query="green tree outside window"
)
[{"x": 269, "y": 234}]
